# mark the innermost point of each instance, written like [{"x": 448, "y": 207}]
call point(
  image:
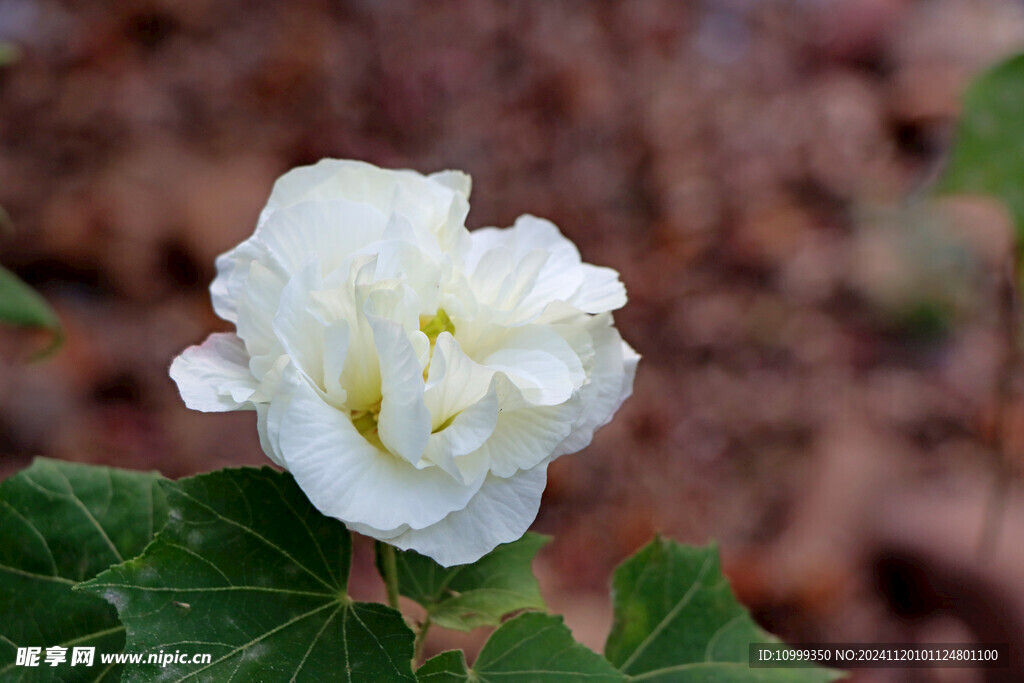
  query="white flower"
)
[{"x": 414, "y": 377}]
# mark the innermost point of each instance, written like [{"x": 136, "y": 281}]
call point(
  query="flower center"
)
[
  {"x": 365, "y": 422},
  {"x": 433, "y": 325}
]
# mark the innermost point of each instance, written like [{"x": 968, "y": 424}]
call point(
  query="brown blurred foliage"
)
[{"x": 821, "y": 356}]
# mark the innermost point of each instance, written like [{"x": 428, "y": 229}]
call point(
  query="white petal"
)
[
  {"x": 336, "y": 342},
  {"x": 270, "y": 445},
  {"x": 466, "y": 434},
  {"x": 455, "y": 180},
  {"x": 325, "y": 232},
  {"x": 407, "y": 263},
  {"x": 232, "y": 271},
  {"x": 346, "y": 477},
  {"x": 379, "y": 534},
  {"x": 541, "y": 377},
  {"x": 525, "y": 435},
  {"x": 501, "y": 512},
  {"x": 600, "y": 291},
  {"x": 256, "y": 307},
  {"x": 562, "y": 278},
  {"x": 455, "y": 381},
  {"x": 611, "y": 383},
  {"x": 537, "y": 359},
  {"x": 349, "y": 343},
  {"x": 332, "y": 179},
  {"x": 438, "y": 203},
  {"x": 630, "y": 359},
  {"x": 404, "y": 421},
  {"x": 214, "y": 376},
  {"x": 271, "y": 380},
  {"x": 436, "y": 207},
  {"x": 299, "y": 332}
]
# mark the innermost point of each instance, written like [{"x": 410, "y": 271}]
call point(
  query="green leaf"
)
[
  {"x": 23, "y": 306},
  {"x": 676, "y": 619},
  {"x": 64, "y": 523},
  {"x": 988, "y": 155},
  {"x": 249, "y": 572},
  {"x": 479, "y": 594},
  {"x": 529, "y": 648},
  {"x": 9, "y": 53}
]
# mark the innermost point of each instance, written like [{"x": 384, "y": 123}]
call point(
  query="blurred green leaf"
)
[
  {"x": 478, "y": 594},
  {"x": 23, "y": 306},
  {"x": 248, "y": 571},
  {"x": 9, "y": 53},
  {"x": 530, "y": 647},
  {"x": 988, "y": 152},
  {"x": 64, "y": 523},
  {"x": 676, "y": 619}
]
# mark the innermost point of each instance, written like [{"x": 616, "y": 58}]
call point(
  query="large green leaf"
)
[
  {"x": 64, "y": 523},
  {"x": 479, "y": 594},
  {"x": 988, "y": 154},
  {"x": 676, "y": 619},
  {"x": 21, "y": 305},
  {"x": 249, "y": 572},
  {"x": 531, "y": 648}
]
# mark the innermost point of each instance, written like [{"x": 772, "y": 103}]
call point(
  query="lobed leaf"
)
[
  {"x": 676, "y": 619},
  {"x": 63, "y": 523},
  {"x": 248, "y": 571},
  {"x": 464, "y": 597},
  {"x": 531, "y": 648}
]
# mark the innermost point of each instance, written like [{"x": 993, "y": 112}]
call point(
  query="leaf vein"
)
[
  {"x": 246, "y": 646},
  {"x": 669, "y": 616},
  {"x": 262, "y": 538}
]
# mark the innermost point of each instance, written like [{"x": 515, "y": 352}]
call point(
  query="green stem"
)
[
  {"x": 421, "y": 639},
  {"x": 387, "y": 553}
]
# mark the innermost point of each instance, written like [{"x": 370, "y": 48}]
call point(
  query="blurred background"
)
[{"x": 827, "y": 389}]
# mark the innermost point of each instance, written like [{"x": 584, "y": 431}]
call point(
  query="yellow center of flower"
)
[
  {"x": 433, "y": 325},
  {"x": 365, "y": 422}
]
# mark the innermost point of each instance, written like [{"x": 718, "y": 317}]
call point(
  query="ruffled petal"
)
[
  {"x": 525, "y": 435},
  {"x": 271, "y": 444},
  {"x": 298, "y": 331},
  {"x": 232, "y": 271},
  {"x": 439, "y": 202},
  {"x": 536, "y": 358},
  {"x": 404, "y": 421},
  {"x": 214, "y": 376},
  {"x": 330, "y": 179},
  {"x": 610, "y": 383},
  {"x": 256, "y": 307},
  {"x": 326, "y": 233},
  {"x": 348, "y": 478},
  {"x": 468, "y": 431},
  {"x": 454, "y": 382},
  {"x": 336, "y": 342},
  {"x": 500, "y": 512},
  {"x": 457, "y": 181},
  {"x": 563, "y": 277}
]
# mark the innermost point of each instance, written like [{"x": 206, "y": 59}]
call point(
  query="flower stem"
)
[
  {"x": 390, "y": 564},
  {"x": 421, "y": 639}
]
